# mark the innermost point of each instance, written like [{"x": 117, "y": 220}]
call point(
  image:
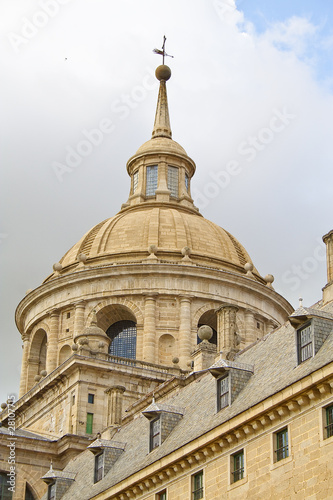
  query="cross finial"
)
[{"x": 162, "y": 52}]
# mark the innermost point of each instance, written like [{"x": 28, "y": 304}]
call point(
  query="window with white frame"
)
[
  {"x": 99, "y": 467},
  {"x": 155, "y": 433},
  {"x": 222, "y": 392},
  {"x": 305, "y": 343},
  {"x": 328, "y": 416}
]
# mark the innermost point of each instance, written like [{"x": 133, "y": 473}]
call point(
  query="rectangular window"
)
[
  {"x": 281, "y": 445},
  {"x": 51, "y": 492},
  {"x": 91, "y": 398},
  {"x": 151, "y": 180},
  {"x": 173, "y": 181},
  {"x": 73, "y": 399},
  {"x": 135, "y": 180},
  {"x": 237, "y": 466},
  {"x": 329, "y": 422},
  {"x": 222, "y": 392},
  {"x": 304, "y": 339},
  {"x": 186, "y": 181},
  {"x": 68, "y": 315},
  {"x": 99, "y": 467},
  {"x": 155, "y": 433},
  {"x": 162, "y": 495},
  {"x": 197, "y": 486},
  {"x": 89, "y": 424}
]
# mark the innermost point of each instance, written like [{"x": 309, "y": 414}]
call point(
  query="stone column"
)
[
  {"x": 52, "y": 342},
  {"x": 149, "y": 328},
  {"x": 79, "y": 318},
  {"x": 115, "y": 405},
  {"x": 250, "y": 334},
  {"x": 24, "y": 369},
  {"x": 185, "y": 332},
  {"x": 162, "y": 191},
  {"x": 328, "y": 289},
  {"x": 226, "y": 328}
]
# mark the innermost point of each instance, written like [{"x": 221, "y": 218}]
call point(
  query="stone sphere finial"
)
[
  {"x": 57, "y": 267},
  {"x": 82, "y": 257},
  {"x": 75, "y": 347},
  {"x": 37, "y": 378},
  {"x": 186, "y": 251},
  {"x": 3, "y": 406},
  {"x": 43, "y": 373},
  {"x": 205, "y": 333},
  {"x": 152, "y": 249},
  {"x": 175, "y": 361},
  {"x": 248, "y": 267},
  {"x": 269, "y": 278},
  {"x": 163, "y": 72}
]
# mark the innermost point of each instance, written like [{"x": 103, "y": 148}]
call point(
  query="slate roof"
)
[{"x": 274, "y": 358}]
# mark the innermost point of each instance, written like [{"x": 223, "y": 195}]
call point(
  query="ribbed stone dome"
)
[
  {"x": 127, "y": 236},
  {"x": 161, "y": 144}
]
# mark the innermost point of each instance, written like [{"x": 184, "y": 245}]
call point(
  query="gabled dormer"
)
[
  {"x": 162, "y": 420},
  {"x": 106, "y": 454},
  {"x": 312, "y": 328},
  {"x": 231, "y": 378}
]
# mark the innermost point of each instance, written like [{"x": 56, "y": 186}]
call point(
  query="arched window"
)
[
  {"x": 5, "y": 494},
  {"x": 123, "y": 339}
]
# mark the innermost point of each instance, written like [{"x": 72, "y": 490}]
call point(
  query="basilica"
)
[{"x": 159, "y": 364}]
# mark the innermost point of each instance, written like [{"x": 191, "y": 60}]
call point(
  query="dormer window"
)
[
  {"x": 135, "y": 180},
  {"x": 99, "y": 467},
  {"x": 155, "y": 433},
  {"x": 304, "y": 342},
  {"x": 51, "y": 492},
  {"x": 222, "y": 392},
  {"x": 173, "y": 181},
  {"x": 151, "y": 180}
]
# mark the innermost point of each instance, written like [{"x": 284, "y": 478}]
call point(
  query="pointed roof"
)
[{"x": 162, "y": 121}]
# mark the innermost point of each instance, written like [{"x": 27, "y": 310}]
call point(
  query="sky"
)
[{"x": 250, "y": 99}]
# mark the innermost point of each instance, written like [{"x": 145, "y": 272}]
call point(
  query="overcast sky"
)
[{"x": 250, "y": 99}]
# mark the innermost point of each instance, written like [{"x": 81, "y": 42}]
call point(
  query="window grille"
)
[
  {"x": 198, "y": 486},
  {"x": 99, "y": 467},
  {"x": 329, "y": 421},
  {"x": 282, "y": 448},
  {"x": 222, "y": 392},
  {"x": 238, "y": 466},
  {"x": 135, "y": 180},
  {"x": 151, "y": 180},
  {"x": 173, "y": 181},
  {"x": 155, "y": 433},
  {"x": 305, "y": 348},
  {"x": 123, "y": 339}
]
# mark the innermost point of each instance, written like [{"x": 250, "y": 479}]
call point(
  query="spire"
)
[{"x": 162, "y": 122}]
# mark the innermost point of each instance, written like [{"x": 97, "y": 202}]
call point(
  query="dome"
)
[
  {"x": 126, "y": 237},
  {"x": 159, "y": 144}
]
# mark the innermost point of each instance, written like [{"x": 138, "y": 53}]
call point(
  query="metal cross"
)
[{"x": 162, "y": 52}]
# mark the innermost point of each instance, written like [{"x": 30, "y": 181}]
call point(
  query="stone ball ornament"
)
[
  {"x": 269, "y": 278},
  {"x": 248, "y": 267},
  {"x": 3, "y": 406},
  {"x": 43, "y": 373},
  {"x": 163, "y": 72},
  {"x": 75, "y": 347},
  {"x": 186, "y": 251},
  {"x": 152, "y": 249},
  {"x": 205, "y": 333},
  {"x": 57, "y": 267},
  {"x": 82, "y": 258},
  {"x": 175, "y": 361}
]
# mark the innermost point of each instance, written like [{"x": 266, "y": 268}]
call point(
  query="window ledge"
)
[
  {"x": 281, "y": 462},
  {"x": 240, "y": 482},
  {"x": 324, "y": 442}
]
